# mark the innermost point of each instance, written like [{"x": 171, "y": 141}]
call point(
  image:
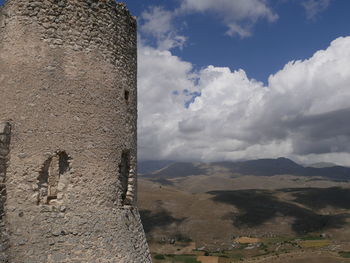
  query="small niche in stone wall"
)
[
  {"x": 127, "y": 178},
  {"x": 126, "y": 95},
  {"x": 124, "y": 168},
  {"x": 51, "y": 181}
]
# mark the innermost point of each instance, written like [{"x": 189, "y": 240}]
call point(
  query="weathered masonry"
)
[
  {"x": 5, "y": 138},
  {"x": 68, "y": 114}
]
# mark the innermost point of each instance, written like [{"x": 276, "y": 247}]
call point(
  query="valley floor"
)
[{"x": 232, "y": 218}]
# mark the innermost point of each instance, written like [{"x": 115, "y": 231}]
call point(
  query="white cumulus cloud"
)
[
  {"x": 302, "y": 113},
  {"x": 239, "y": 15},
  {"x": 158, "y": 23}
]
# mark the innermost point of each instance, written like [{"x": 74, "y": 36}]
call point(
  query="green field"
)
[
  {"x": 344, "y": 254},
  {"x": 175, "y": 258}
]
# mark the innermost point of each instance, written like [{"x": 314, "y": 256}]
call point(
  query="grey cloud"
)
[
  {"x": 314, "y": 134},
  {"x": 322, "y": 133},
  {"x": 302, "y": 113},
  {"x": 191, "y": 125}
]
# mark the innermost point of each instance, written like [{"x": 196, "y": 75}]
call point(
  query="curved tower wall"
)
[{"x": 68, "y": 100}]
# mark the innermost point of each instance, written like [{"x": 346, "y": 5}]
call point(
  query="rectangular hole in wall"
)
[
  {"x": 124, "y": 168},
  {"x": 49, "y": 177}
]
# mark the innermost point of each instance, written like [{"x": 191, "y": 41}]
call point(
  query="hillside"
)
[
  {"x": 223, "y": 214},
  {"x": 145, "y": 167},
  {"x": 273, "y": 200},
  {"x": 261, "y": 167}
]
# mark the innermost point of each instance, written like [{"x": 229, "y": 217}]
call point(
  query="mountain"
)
[
  {"x": 180, "y": 169},
  {"x": 208, "y": 205},
  {"x": 145, "y": 167},
  {"x": 264, "y": 167},
  {"x": 260, "y": 167}
]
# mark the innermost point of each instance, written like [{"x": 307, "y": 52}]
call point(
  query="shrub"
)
[
  {"x": 344, "y": 254},
  {"x": 159, "y": 256}
]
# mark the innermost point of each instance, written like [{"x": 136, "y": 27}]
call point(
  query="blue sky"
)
[
  {"x": 292, "y": 36},
  {"x": 244, "y": 79}
]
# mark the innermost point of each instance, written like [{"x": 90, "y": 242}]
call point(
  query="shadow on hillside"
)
[
  {"x": 318, "y": 198},
  {"x": 258, "y": 207},
  {"x": 159, "y": 218}
]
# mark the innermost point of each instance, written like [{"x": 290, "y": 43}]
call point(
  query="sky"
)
[{"x": 243, "y": 79}]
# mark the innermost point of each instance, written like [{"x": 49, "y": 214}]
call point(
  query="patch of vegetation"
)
[
  {"x": 278, "y": 239},
  {"x": 243, "y": 246},
  {"x": 183, "y": 258},
  {"x": 232, "y": 254},
  {"x": 220, "y": 254},
  {"x": 312, "y": 238},
  {"x": 182, "y": 238},
  {"x": 344, "y": 254},
  {"x": 159, "y": 256},
  {"x": 263, "y": 246},
  {"x": 262, "y": 254}
]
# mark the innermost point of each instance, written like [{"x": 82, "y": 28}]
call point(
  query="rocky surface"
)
[
  {"x": 5, "y": 136},
  {"x": 68, "y": 89}
]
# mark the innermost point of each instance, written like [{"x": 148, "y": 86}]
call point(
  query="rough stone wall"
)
[
  {"x": 68, "y": 87},
  {"x": 5, "y": 137}
]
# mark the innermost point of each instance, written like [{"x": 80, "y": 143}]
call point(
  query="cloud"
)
[
  {"x": 235, "y": 29},
  {"x": 162, "y": 78},
  {"x": 158, "y": 23},
  {"x": 301, "y": 113},
  {"x": 239, "y": 15},
  {"x": 314, "y": 7}
]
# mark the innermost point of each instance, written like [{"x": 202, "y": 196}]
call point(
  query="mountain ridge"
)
[{"x": 258, "y": 167}]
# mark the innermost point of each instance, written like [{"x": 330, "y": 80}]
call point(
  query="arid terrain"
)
[{"x": 195, "y": 209}]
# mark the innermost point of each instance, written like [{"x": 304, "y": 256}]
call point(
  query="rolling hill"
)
[
  {"x": 261, "y": 167},
  {"x": 208, "y": 205}
]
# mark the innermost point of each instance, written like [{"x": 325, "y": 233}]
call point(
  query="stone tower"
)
[{"x": 68, "y": 116}]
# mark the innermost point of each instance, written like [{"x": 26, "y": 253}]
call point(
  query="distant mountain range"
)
[
  {"x": 261, "y": 167},
  {"x": 145, "y": 167}
]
